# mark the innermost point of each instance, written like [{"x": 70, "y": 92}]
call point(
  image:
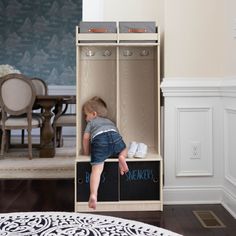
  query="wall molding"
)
[
  {"x": 192, "y": 195},
  {"x": 228, "y": 154},
  {"x": 198, "y": 166},
  {"x": 229, "y": 201},
  {"x": 200, "y": 195},
  {"x": 185, "y": 183},
  {"x": 199, "y": 86}
]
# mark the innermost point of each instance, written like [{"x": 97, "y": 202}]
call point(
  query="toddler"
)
[{"x": 102, "y": 137}]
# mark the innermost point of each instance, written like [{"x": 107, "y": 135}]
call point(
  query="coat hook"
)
[
  {"x": 144, "y": 52},
  {"x": 90, "y": 53},
  {"x": 107, "y": 53},
  {"x": 127, "y": 53}
]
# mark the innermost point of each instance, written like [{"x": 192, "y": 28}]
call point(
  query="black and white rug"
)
[{"x": 78, "y": 224}]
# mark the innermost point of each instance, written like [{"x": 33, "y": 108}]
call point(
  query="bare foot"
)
[
  {"x": 123, "y": 165},
  {"x": 92, "y": 202}
]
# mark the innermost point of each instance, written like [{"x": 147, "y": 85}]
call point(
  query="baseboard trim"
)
[
  {"x": 192, "y": 195},
  {"x": 229, "y": 202},
  {"x": 200, "y": 195}
]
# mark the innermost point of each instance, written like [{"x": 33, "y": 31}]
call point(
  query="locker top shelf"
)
[
  {"x": 116, "y": 38},
  {"x": 149, "y": 157}
]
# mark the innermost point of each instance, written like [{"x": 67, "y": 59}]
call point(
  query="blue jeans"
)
[{"x": 106, "y": 145}]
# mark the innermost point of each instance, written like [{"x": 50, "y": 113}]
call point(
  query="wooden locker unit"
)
[{"x": 123, "y": 69}]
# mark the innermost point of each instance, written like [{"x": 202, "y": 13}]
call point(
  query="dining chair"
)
[
  {"x": 63, "y": 119},
  {"x": 41, "y": 88},
  {"x": 17, "y": 96},
  {"x": 40, "y": 85}
]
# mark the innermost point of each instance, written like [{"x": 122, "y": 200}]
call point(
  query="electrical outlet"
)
[{"x": 195, "y": 150}]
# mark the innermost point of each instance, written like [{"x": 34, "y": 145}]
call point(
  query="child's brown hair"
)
[{"x": 96, "y": 104}]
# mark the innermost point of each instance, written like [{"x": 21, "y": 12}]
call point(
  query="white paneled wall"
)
[
  {"x": 194, "y": 141},
  {"x": 199, "y": 141},
  {"x": 229, "y": 125}
]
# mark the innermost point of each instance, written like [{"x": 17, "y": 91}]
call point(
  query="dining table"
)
[{"x": 49, "y": 105}]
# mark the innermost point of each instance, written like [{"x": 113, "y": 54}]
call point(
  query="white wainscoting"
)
[
  {"x": 199, "y": 141},
  {"x": 230, "y": 144},
  {"x": 229, "y": 124},
  {"x": 194, "y": 141}
]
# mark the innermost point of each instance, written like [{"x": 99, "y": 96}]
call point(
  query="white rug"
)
[
  {"x": 16, "y": 163},
  {"x": 64, "y": 223}
]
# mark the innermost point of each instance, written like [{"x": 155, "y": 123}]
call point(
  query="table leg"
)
[{"x": 47, "y": 148}]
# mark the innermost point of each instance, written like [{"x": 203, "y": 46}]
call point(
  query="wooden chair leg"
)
[
  {"x": 41, "y": 136},
  {"x": 30, "y": 144},
  {"x": 8, "y": 140},
  {"x": 59, "y": 136},
  {"x": 22, "y": 136},
  {"x": 3, "y": 143},
  {"x": 55, "y": 136}
]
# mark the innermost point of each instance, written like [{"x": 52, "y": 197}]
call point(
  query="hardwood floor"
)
[
  {"x": 58, "y": 195},
  {"x": 180, "y": 218}
]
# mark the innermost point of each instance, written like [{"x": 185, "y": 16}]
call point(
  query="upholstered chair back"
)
[{"x": 17, "y": 94}]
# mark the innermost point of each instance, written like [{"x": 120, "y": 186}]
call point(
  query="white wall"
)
[
  {"x": 123, "y": 10},
  {"x": 194, "y": 38},
  {"x": 230, "y": 38},
  {"x": 93, "y": 10}
]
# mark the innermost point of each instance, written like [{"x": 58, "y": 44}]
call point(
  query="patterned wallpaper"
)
[{"x": 37, "y": 37}]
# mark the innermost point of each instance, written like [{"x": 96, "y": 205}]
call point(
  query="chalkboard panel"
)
[
  {"x": 142, "y": 182},
  {"x": 108, "y": 188}
]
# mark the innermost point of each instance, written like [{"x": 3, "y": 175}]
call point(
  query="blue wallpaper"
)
[{"x": 37, "y": 37}]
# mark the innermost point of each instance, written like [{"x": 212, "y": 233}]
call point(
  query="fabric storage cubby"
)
[
  {"x": 143, "y": 178},
  {"x": 123, "y": 69},
  {"x": 109, "y": 178}
]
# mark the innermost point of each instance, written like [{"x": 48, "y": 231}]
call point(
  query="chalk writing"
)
[
  {"x": 87, "y": 177},
  {"x": 139, "y": 174}
]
